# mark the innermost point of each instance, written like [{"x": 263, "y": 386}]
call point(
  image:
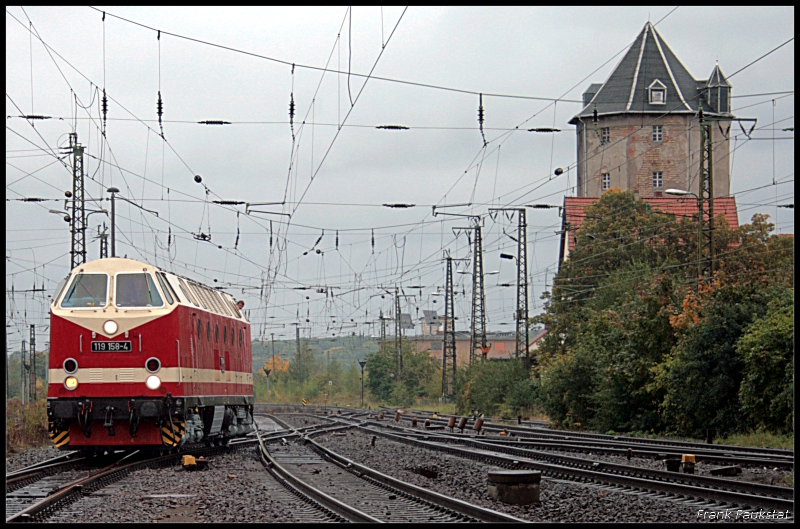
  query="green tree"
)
[
  {"x": 766, "y": 348},
  {"x": 304, "y": 365},
  {"x": 419, "y": 370},
  {"x": 701, "y": 378},
  {"x": 380, "y": 367},
  {"x": 487, "y": 386},
  {"x": 351, "y": 380},
  {"x": 567, "y": 386}
]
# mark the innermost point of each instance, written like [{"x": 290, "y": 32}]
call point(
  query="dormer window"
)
[{"x": 658, "y": 93}]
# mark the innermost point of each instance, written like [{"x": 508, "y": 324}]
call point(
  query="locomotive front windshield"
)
[
  {"x": 137, "y": 290},
  {"x": 87, "y": 290}
]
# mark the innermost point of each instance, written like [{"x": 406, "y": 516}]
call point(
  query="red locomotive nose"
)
[{"x": 141, "y": 358}]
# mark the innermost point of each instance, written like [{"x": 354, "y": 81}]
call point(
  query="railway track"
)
[
  {"x": 29, "y": 475},
  {"x": 728, "y": 457},
  {"x": 37, "y": 501},
  {"x": 656, "y": 445},
  {"x": 723, "y": 491},
  {"x": 360, "y": 494},
  {"x": 536, "y": 433}
]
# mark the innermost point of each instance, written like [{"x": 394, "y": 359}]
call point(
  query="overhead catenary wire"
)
[{"x": 419, "y": 227}]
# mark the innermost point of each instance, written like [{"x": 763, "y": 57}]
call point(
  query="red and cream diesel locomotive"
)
[{"x": 141, "y": 358}]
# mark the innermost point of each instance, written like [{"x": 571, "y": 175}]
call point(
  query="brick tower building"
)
[{"x": 639, "y": 130}]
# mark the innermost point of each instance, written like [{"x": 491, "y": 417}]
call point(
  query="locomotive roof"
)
[{"x": 115, "y": 265}]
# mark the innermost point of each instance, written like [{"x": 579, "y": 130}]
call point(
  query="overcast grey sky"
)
[{"x": 336, "y": 178}]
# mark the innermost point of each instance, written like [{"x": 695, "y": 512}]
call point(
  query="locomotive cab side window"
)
[
  {"x": 164, "y": 289},
  {"x": 59, "y": 289},
  {"x": 137, "y": 290},
  {"x": 87, "y": 291},
  {"x": 169, "y": 292}
]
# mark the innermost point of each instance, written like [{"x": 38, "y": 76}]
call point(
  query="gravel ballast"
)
[
  {"x": 22, "y": 458},
  {"x": 467, "y": 480},
  {"x": 234, "y": 488}
]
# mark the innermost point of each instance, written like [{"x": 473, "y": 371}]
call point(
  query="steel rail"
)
[
  {"x": 622, "y": 450},
  {"x": 561, "y": 471},
  {"x": 46, "y": 463},
  {"x": 745, "y": 487},
  {"x": 473, "y": 511},
  {"x": 297, "y": 485},
  {"x": 30, "y": 476},
  {"x": 573, "y": 435},
  {"x": 76, "y": 489},
  {"x": 702, "y": 452}
]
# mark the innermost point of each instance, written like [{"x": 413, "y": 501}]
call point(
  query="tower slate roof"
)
[
  {"x": 717, "y": 78},
  {"x": 648, "y": 62}
]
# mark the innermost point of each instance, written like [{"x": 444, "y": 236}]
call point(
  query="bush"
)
[
  {"x": 418, "y": 378},
  {"x": 567, "y": 386},
  {"x": 26, "y": 425},
  {"x": 766, "y": 348},
  {"x": 491, "y": 385},
  {"x": 702, "y": 377}
]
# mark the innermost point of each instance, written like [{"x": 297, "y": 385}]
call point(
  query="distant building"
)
[
  {"x": 502, "y": 345},
  {"x": 638, "y": 131},
  {"x": 534, "y": 344}
]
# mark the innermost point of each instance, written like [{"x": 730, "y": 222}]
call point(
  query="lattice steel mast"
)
[
  {"x": 478, "y": 338},
  {"x": 449, "y": 339},
  {"x": 78, "y": 220}
]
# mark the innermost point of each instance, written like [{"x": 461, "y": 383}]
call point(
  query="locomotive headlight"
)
[
  {"x": 110, "y": 327},
  {"x": 152, "y": 382},
  {"x": 71, "y": 383}
]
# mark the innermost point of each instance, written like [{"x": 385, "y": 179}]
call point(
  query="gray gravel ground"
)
[
  {"x": 467, "y": 480},
  {"x": 299, "y": 421},
  {"x": 23, "y": 458},
  {"x": 235, "y": 488}
]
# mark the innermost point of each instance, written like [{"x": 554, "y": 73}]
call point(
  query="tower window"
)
[
  {"x": 605, "y": 135},
  {"x": 606, "y": 181},
  {"x": 657, "y": 93},
  {"x": 658, "y": 133},
  {"x": 658, "y": 179}
]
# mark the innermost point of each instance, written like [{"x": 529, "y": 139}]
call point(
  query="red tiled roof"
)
[
  {"x": 537, "y": 337},
  {"x": 679, "y": 206}
]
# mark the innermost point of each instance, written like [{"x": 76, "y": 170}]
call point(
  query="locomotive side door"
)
[{"x": 195, "y": 352}]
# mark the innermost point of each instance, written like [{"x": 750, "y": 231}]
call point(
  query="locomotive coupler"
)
[{"x": 109, "y": 422}]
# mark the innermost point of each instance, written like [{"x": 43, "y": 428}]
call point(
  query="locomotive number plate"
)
[{"x": 111, "y": 347}]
